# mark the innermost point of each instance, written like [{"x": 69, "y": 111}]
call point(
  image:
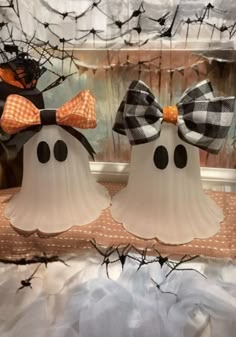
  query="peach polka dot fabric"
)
[{"x": 107, "y": 232}]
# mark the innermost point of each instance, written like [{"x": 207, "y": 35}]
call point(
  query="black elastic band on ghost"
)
[
  {"x": 83, "y": 140},
  {"x": 18, "y": 140},
  {"x": 48, "y": 117},
  {"x": 22, "y": 137}
]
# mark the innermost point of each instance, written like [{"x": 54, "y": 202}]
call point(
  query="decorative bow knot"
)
[
  {"x": 22, "y": 118},
  {"x": 202, "y": 119},
  {"x": 19, "y": 113}
]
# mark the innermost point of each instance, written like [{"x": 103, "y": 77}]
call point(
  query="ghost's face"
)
[
  {"x": 164, "y": 196},
  {"x": 58, "y": 190},
  {"x": 54, "y": 154},
  {"x": 168, "y": 161}
]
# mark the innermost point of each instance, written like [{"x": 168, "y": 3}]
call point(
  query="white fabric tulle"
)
[
  {"x": 56, "y": 195},
  {"x": 80, "y": 301}
]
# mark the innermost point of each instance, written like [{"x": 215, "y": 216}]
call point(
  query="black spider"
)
[
  {"x": 161, "y": 259},
  {"x": 27, "y": 282},
  {"x": 174, "y": 265},
  {"x": 45, "y": 24},
  {"x": 162, "y": 19},
  {"x": 138, "y": 29},
  {"x": 118, "y": 23},
  {"x": 188, "y": 22},
  {"x": 2, "y": 24},
  {"x": 59, "y": 80},
  {"x": 169, "y": 31},
  {"x": 123, "y": 254},
  {"x": 90, "y": 7},
  {"x": 92, "y": 31},
  {"x": 142, "y": 257},
  {"x": 206, "y": 11},
  {"x": 136, "y": 13},
  {"x": 223, "y": 28},
  {"x": 106, "y": 255}
]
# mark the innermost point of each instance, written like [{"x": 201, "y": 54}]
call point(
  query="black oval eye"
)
[
  {"x": 60, "y": 150},
  {"x": 180, "y": 156},
  {"x": 43, "y": 152},
  {"x": 160, "y": 157}
]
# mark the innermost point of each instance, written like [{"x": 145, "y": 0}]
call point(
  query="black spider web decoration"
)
[
  {"x": 28, "y": 57},
  {"x": 134, "y": 30},
  {"x": 48, "y": 43}
]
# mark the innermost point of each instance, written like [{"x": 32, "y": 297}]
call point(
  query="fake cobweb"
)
[{"x": 65, "y": 46}]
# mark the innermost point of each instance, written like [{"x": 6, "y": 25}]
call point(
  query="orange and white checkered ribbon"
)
[{"x": 19, "y": 113}]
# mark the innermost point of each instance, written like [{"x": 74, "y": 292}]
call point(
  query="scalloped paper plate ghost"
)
[
  {"x": 58, "y": 190},
  {"x": 164, "y": 198}
]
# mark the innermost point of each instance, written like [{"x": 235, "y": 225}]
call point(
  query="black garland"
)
[
  {"x": 164, "y": 27},
  {"x": 110, "y": 255},
  {"x": 42, "y": 260},
  {"x": 120, "y": 254}
]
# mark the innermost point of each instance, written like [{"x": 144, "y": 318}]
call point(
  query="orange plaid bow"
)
[{"x": 19, "y": 113}]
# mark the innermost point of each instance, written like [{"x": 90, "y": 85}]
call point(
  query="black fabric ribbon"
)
[{"x": 22, "y": 137}]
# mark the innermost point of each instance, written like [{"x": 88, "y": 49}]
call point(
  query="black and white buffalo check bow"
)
[{"x": 203, "y": 120}]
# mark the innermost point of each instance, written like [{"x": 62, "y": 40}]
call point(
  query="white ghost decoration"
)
[
  {"x": 164, "y": 198},
  {"x": 167, "y": 203},
  {"x": 58, "y": 190}
]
